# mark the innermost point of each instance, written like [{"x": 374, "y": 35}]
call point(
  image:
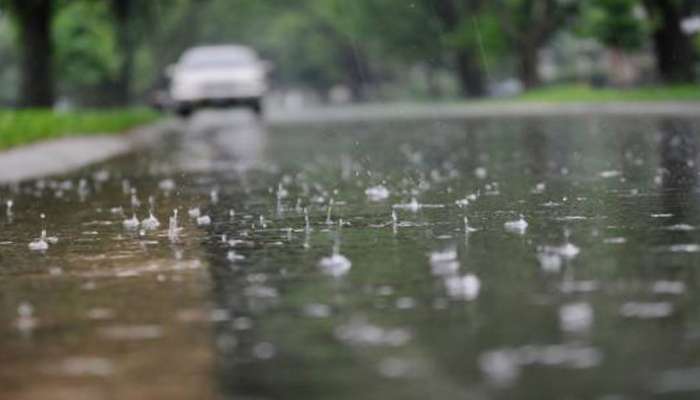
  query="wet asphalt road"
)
[{"x": 572, "y": 276}]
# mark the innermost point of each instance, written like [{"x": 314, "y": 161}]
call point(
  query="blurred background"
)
[{"x": 111, "y": 53}]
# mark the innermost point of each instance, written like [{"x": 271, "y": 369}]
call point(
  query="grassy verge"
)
[
  {"x": 584, "y": 93},
  {"x": 25, "y": 126}
]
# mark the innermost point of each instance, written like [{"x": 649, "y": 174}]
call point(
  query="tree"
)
[
  {"x": 457, "y": 20},
  {"x": 86, "y": 54},
  {"x": 529, "y": 25},
  {"x": 33, "y": 18},
  {"x": 673, "y": 48},
  {"x": 614, "y": 23},
  {"x": 122, "y": 12}
]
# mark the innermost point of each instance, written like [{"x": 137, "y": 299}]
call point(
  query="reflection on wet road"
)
[{"x": 538, "y": 258}]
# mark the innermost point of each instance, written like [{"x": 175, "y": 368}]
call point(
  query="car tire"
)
[
  {"x": 184, "y": 111},
  {"x": 257, "y": 107}
]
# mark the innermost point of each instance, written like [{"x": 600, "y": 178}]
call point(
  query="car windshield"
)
[{"x": 215, "y": 58}]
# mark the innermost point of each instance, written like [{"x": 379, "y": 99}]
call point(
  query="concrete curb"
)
[{"x": 63, "y": 155}]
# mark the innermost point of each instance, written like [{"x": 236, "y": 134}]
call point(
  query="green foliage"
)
[
  {"x": 615, "y": 23},
  {"x": 86, "y": 54},
  {"x": 24, "y": 126},
  {"x": 584, "y": 93},
  {"x": 8, "y": 61},
  {"x": 317, "y": 44}
]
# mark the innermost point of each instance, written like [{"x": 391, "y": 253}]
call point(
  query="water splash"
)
[
  {"x": 336, "y": 264},
  {"x": 444, "y": 262},
  {"x": 194, "y": 212},
  {"x": 465, "y": 287},
  {"x": 204, "y": 220},
  {"x": 150, "y": 223},
  {"x": 329, "y": 213},
  {"x": 25, "y": 321},
  {"x": 377, "y": 193},
  {"x": 518, "y": 226},
  {"x": 173, "y": 229},
  {"x": 307, "y": 225},
  {"x": 576, "y": 317},
  {"x": 42, "y": 243},
  {"x": 131, "y": 223},
  {"x": 467, "y": 228},
  {"x": 413, "y": 205},
  {"x": 135, "y": 203}
]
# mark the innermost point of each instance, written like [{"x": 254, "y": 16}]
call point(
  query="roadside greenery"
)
[
  {"x": 585, "y": 93},
  {"x": 109, "y": 53},
  {"x": 24, "y": 126}
]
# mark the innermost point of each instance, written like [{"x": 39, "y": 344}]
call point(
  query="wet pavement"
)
[{"x": 495, "y": 258}]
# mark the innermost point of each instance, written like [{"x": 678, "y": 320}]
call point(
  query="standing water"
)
[{"x": 592, "y": 297}]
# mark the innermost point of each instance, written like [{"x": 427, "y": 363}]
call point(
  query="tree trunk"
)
[
  {"x": 356, "y": 69},
  {"x": 470, "y": 75},
  {"x": 122, "y": 86},
  {"x": 431, "y": 78},
  {"x": 36, "y": 81},
  {"x": 468, "y": 69},
  {"x": 529, "y": 62},
  {"x": 673, "y": 48}
]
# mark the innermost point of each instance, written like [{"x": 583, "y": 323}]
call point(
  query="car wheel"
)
[
  {"x": 184, "y": 111},
  {"x": 257, "y": 107}
]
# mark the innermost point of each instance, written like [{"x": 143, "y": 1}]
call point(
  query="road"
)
[{"x": 541, "y": 256}]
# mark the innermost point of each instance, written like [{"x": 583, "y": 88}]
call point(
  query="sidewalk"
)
[{"x": 70, "y": 153}]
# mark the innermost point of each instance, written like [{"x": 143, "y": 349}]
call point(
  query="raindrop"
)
[
  {"x": 203, "y": 220},
  {"x": 166, "y": 185},
  {"x": 518, "y": 226},
  {"x": 480, "y": 173},
  {"x": 648, "y": 310},
  {"x": 173, "y": 229},
  {"x": 194, "y": 212},
  {"x": 377, "y": 193},
  {"x": 135, "y": 203},
  {"x": 668, "y": 287},
  {"x": 131, "y": 223},
  {"x": 25, "y": 317},
  {"x": 576, "y": 317},
  {"x": 465, "y": 287},
  {"x": 550, "y": 261},
  {"x": 413, "y": 205},
  {"x": 336, "y": 264},
  {"x": 461, "y": 203},
  {"x": 317, "y": 310},
  {"x": 468, "y": 229},
  {"x": 40, "y": 244},
  {"x": 329, "y": 221},
  {"x": 264, "y": 351},
  {"x": 150, "y": 223},
  {"x": 233, "y": 256}
]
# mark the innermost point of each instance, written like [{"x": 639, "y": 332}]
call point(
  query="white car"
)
[{"x": 225, "y": 75}]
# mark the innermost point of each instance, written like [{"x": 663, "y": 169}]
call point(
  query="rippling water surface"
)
[{"x": 497, "y": 258}]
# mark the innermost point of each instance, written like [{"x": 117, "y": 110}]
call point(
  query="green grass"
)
[
  {"x": 24, "y": 126},
  {"x": 584, "y": 93}
]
